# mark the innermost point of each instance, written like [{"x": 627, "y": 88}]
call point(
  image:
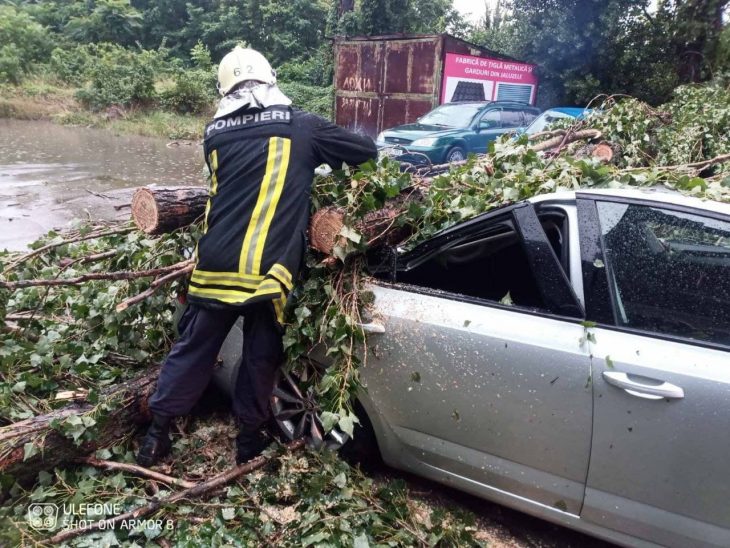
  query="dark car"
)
[{"x": 451, "y": 131}]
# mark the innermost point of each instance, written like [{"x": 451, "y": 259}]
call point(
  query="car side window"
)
[
  {"x": 491, "y": 120},
  {"x": 492, "y": 265},
  {"x": 668, "y": 271},
  {"x": 530, "y": 115},
  {"x": 511, "y": 117}
]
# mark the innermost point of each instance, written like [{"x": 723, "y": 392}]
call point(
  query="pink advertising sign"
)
[{"x": 470, "y": 78}]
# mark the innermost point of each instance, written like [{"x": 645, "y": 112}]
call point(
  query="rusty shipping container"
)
[{"x": 385, "y": 81}]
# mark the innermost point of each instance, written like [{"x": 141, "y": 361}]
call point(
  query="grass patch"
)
[
  {"x": 36, "y": 100},
  {"x": 41, "y": 99},
  {"x": 162, "y": 124}
]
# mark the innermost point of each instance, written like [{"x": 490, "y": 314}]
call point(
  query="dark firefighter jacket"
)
[{"x": 262, "y": 165}]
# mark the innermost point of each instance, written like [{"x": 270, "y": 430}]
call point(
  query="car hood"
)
[{"x": 410, "y": 132}]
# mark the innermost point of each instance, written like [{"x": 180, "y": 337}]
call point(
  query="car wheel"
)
[
  {"x": 297, "y": 413},
  {"x": 455, "y": 154}
]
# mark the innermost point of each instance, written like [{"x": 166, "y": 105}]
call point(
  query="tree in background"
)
[
  {"x": 587, "y": 47},
  {"x": 23, "y": 43},
  {"x": 379, "y": 17},
  {"x": 114, "y": 21}
]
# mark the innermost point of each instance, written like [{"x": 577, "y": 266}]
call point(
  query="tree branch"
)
[
  {"x": 562, "y": 140},
  {"x": 120, "y": 275},
  {"x": 138, "y": 471},
  {"x": 47, "y": 247},
  {"x": 126, "y": 303}
]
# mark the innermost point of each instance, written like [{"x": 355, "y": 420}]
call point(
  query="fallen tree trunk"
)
[
  {"x": 164, "y": 209},
  {"x": 160, "y": 210},
  {"x": 47, "y": 447},
  {"x": 325, "y": 225},
  {"x": 156, "y": 207}
]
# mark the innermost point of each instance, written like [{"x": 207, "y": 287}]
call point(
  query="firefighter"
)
[{"x": 261, "y": 154}]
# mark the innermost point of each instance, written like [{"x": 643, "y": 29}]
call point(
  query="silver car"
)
[{"x": 567, "y": 356}]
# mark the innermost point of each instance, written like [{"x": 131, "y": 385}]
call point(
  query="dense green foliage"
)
[
  {"x": 141, "y": 53},
  {"x": 78, "y": 340},
  {"x": 23, "y": 43},
  {"x": 583, "y": 48},
  {"x": 694, "y": 126}
]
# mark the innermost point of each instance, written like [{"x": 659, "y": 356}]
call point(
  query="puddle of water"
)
[{"x": 51, "y": 174}]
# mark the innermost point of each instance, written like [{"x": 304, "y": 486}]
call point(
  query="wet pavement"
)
[{"x": 51, "y": 174}]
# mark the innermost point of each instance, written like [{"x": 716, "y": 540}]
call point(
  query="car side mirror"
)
[{"x": 488, "y": 124}]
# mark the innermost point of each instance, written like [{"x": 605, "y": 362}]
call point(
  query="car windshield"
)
[
  {"x": 544, "y": 120},
  {"x": 450, "y": 116}
]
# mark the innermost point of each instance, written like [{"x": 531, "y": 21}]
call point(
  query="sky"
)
[{"x": 473, "y": 10}]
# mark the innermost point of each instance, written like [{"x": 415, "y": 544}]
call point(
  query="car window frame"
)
[
  {"x": 481, "y": 116},
  {"x": 553, "y": 283},
  {"x": 597, "y": 291}
]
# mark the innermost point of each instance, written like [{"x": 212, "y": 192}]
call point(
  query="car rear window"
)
[
  {"x": 451, "y": 116},
  {"x": 669, "y": 271}
]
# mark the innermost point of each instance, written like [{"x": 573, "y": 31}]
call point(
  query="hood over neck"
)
[{"x": 257, "y": 97}]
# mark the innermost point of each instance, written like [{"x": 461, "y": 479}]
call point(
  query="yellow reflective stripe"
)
[
  {"x": 233, "y": 276},
  {"x": 273, "y": 201},
  {"x": 214, "y": 174},
  {"x": 223, "y": 281},
  {"x": 279, "y": 305},
  {"x": 282, "y": 274},
  {"x": 213, "y": 159},
  {"x": 235, "y": 295},
  {"x": 243, "y": 262},
  {"x": 205, "y": 219},
  {"x": 217, "y": 296}
]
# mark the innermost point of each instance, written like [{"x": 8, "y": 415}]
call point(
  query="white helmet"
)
[{"x": 243, "y": 64}]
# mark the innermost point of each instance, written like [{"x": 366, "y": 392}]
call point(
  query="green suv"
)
[{"x": 451, "y": 131}]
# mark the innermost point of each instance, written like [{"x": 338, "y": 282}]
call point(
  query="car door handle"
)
[
  {"x": 372, "y": 327},
  {"x": 647, "y": 391}
]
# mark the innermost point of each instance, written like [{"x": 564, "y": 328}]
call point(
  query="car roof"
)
[
  {"x": 570, "y": 111},
  {"x": 660, "y": 195},
  {"x": 481, "y": 104},
  {"x": 657, "y": 194}
]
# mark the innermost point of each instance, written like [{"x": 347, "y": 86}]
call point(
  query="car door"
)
[
  {"x": 657, "y": 282},
  {"x": 486, "y": 129},
  {"x": 479, "y": 375}
]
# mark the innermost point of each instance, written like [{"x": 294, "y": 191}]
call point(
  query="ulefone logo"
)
[{"x": 43, "y": 516}]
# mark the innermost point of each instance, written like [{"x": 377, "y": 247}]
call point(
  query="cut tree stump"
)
[
  {"x": 158, "y": 210},
  {"x": 603, "y": 152},
  {"x": 51, "y": 448},
  {"x": 324, "y": 228}
]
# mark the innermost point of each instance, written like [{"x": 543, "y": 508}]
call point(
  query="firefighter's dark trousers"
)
[{"x": 189, "y": 366}]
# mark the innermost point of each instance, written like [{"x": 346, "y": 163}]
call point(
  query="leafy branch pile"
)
[
  {"x": 684, "y": 145},
  {"x": 296, "y": 499},
  {"x": 69, "y": 338},
  {"x": 64, "y": 343}
]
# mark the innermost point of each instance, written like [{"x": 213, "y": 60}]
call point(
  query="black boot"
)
[
  {"x": 250, "y": 444},
  {"x": 156, "y": 444}
]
